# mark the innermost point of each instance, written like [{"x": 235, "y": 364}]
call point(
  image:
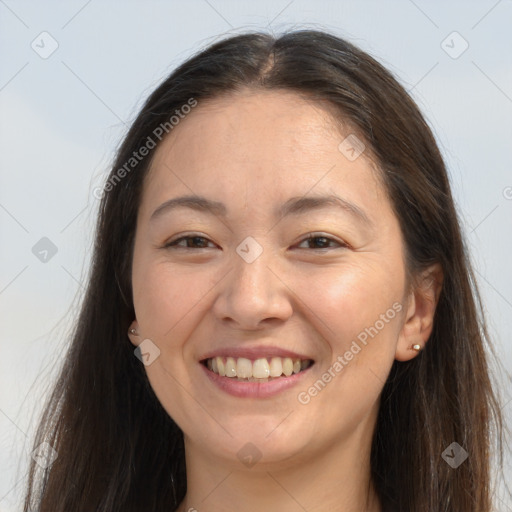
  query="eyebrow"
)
[{"x": 293, "y": 206}]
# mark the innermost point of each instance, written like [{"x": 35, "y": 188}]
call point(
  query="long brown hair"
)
[{"x": 118, "y": 450}]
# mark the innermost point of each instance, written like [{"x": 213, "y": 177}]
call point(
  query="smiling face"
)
[{"x": 248, "y": 289}]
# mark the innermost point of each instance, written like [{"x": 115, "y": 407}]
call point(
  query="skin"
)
[{"x": 252, "y": 151}]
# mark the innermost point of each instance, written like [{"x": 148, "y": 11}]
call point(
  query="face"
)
[{"x": 265, "y": 276}]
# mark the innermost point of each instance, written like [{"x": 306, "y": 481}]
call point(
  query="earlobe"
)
[
  {"x": 133, "y": 334},
  {"x": 419, "y": 320}
]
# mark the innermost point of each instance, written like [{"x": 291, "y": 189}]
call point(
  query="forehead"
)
[{"x": 264, "y": 145}]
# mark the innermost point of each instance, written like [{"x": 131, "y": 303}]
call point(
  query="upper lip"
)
[{"x": 254, "y": 353}]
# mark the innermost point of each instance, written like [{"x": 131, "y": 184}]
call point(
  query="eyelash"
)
[{"x": 312, "y": 236}]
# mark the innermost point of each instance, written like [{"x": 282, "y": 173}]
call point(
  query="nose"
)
[{"x": 253, "y": 295}]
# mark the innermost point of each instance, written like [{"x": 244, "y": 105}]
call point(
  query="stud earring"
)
[
  {"x": 417, "y": 347},
  {"x": 133, "y": 331}
]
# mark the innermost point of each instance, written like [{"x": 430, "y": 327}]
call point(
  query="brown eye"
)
[
  {"x": 321, "y": 242},
  {"x": 190, "y": 242}
]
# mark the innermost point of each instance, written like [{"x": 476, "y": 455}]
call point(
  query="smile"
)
[
  {"x": 260, "y": 377},
  {"x": 259, "y": 370}
]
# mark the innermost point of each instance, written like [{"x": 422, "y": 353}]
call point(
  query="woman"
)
[{"x": 281, "y": 313}]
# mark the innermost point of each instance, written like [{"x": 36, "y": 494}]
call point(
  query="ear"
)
[
  {"x": 421, "y": 306},
  {"x": 133, "y": 334}
]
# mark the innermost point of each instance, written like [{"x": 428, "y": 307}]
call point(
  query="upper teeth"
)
[{"x": 259, "y": 369}]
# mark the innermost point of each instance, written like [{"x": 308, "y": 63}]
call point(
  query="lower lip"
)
[{"x": 243, "y": 389}]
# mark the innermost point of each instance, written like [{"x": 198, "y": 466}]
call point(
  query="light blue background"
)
[{"x": 62, "y": 117}]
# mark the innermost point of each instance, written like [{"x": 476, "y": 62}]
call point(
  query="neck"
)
[{"x": 336, "y": 480}]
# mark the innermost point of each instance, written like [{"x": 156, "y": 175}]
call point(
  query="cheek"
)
[
  {"x": 356, "y": 310},
  {"x": 155, "y": 298},
  {"x": 166, "y": 303},
  {"x": 349, "y": 298},
  {"x": 165, "y": 296}
]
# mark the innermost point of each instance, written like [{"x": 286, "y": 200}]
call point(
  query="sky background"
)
[{"x": 73, "y": 76}]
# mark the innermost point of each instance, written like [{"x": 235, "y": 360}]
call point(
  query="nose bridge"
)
[
  {"x": 251, "y": 292},
  {"x": 252, "y": 279}
]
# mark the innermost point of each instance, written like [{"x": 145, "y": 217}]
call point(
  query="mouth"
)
[{"x": 261, "y": 370}]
